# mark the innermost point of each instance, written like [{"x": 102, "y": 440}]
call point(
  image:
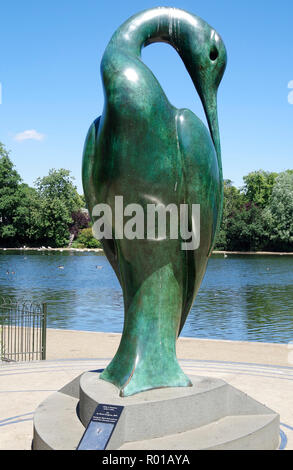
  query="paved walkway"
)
[{"x": 262, "y": 370}]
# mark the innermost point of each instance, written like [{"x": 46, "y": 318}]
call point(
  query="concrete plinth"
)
[{"x": 209, "y": 415}]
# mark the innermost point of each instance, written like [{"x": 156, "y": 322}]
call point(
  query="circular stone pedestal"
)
[{"x": 209, "y": 415}]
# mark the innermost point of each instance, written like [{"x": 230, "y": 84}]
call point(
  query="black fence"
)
[{"x": 22, "y": 330}]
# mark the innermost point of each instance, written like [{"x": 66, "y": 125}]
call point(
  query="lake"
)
[{"x": 242, "y": 297}]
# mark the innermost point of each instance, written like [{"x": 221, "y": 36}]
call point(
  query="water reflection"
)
[
  {"x": 248, "y": 298},
  {"x": 241, "y": 297}
]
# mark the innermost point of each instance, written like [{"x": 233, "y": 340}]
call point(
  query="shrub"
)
[{"x": 86, "y": 239}]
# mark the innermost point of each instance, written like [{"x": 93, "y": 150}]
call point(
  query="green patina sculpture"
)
[{"x": 146, "y": 150}]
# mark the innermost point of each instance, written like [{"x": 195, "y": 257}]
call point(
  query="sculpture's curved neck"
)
[
  {"x": 163, "y": 24},
  {"x": 187, "y": 33}
]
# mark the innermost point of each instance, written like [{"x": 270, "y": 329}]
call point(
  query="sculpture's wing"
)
[
  {"x": 201, "y": 176},
  {"x": 90, "y": 186}
]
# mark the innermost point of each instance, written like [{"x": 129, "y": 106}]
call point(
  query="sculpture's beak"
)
[{"x": 209, "y": 101}]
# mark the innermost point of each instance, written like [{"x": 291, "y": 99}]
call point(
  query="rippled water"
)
[{"x": 246, "y": 298}]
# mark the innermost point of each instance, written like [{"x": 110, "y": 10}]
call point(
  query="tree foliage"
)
[
  {"x": 58, "y": 200},
  {"x": 58, "y": 184},
  {"x": 278, "y": 215},
  {"x": 27, "y": 217},
  {"x": 258, "y": 216},
  {"x": 80, "y": 220},
  {"x": 9, "y": 196},
  {"x": 86, "y": 239},
  {"x": 258, "y": 186},
  {"x": 232, "y": 203},
  {"x": 36, "y": 216}
]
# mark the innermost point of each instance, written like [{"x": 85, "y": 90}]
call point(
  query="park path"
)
[{"x": 262, "y": 370}]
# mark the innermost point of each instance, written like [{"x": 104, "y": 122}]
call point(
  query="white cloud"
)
[{"x": 31, "y": 134}]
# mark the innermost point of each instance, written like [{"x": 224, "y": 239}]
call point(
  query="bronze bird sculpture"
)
[{"x": 145, "y": 150}]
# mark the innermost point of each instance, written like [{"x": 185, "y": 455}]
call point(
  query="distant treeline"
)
[
  {"x": 256, "y": 217},
  {"x": 51, "y": 213}
]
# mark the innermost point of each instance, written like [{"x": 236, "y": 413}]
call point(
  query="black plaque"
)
[{"x": 100, "y": 427}]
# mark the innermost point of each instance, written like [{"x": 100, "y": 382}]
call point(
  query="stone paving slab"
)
[{"x": 263, "y": 372}]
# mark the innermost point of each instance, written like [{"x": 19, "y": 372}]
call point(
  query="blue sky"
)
[{"x": 51, "y": 86}]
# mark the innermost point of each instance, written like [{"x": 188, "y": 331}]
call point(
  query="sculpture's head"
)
[
  {"x": 204, "y": 55},
  {"x": 198, "y": 44}
]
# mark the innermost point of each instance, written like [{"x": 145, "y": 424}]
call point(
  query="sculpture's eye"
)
[{"x": 214, "y": 53}]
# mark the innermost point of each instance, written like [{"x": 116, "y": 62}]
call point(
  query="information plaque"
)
[{"x": 100, "y": 427}]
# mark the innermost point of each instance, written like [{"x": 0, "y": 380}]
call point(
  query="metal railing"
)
[{"x": 22, "y": 330}]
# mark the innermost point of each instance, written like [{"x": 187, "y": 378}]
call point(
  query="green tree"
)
[
  {"x": 245, "y": 229},
  {"x": 278, "y": 215},
  {"x": 86, "y": 239},
  {"x": 83, "y": 203},
  {"x": 9, "y": 198},
  {"x": 59, "y": 199},
  {"x": 27, "y": 218},
  {"x": 58, "y": 184},
  {"x": 233, "y": 200},
  {"x": 258, "y": 186}
]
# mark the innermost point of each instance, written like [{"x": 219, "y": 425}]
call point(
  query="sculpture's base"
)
[{"x": 209, "y": 415}]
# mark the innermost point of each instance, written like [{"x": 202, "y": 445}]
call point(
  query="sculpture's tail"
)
[{"x": 146, "y": 357}]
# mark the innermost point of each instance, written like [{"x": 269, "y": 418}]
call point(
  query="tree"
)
[
  {"x": 80, "y": 220},
  {"x": 233, "y": 200},
  {"x": 258, "y": 186},
  {"x": 9, "y": 197},
  {"x": 245, "y": 230},
  {"x": 278, "y": 215},
  {"x": 27, "y": 216},
  {"x": 58, "y": 184},
  {"x": 83, "y": 203},
  {"x": 59, "y": 199},
  {"x": 242, "y": 227},
  {"x": 86, "y": 239}
]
